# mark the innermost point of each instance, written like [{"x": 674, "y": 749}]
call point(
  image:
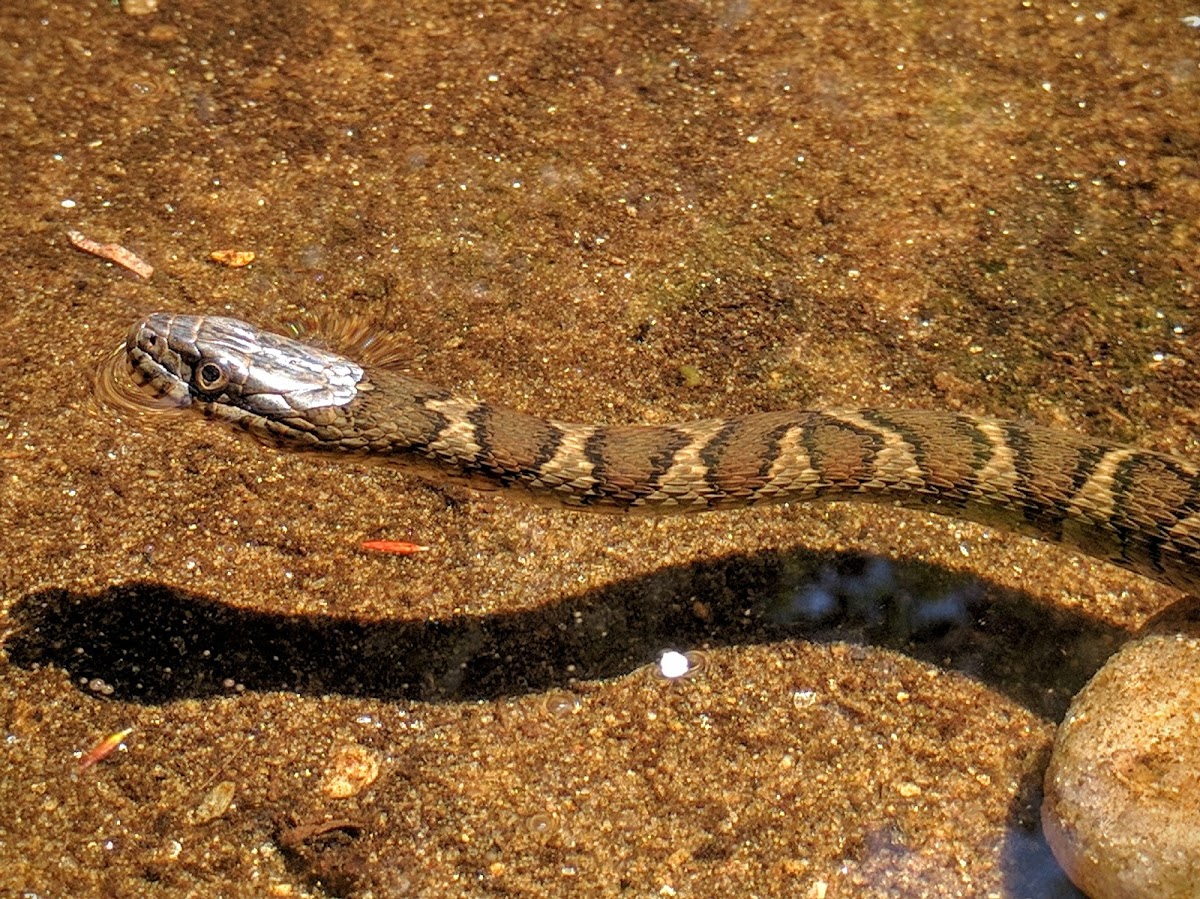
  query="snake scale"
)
[{"x": 1137, "y": 509}]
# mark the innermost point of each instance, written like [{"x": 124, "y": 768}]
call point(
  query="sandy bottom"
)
[{"x": 600, "y": 212}]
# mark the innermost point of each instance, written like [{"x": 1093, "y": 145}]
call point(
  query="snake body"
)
[{"x": 1134, "y": 508}]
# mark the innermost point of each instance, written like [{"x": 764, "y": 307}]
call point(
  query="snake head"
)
[{"x": 263, "y": 382}]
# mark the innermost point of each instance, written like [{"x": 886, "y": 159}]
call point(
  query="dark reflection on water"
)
[{"x": 892, "y": 603}]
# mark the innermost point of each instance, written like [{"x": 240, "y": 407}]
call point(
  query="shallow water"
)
[{"x": 596, "y": 212}]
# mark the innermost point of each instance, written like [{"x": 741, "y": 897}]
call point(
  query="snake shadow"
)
[{"x": 148, "y": 643}]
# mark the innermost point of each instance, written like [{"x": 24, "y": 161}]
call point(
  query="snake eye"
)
[{"x": 210, "y": 377}]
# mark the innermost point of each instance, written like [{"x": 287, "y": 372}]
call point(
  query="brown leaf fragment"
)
[{"x": 232, "y": 258}]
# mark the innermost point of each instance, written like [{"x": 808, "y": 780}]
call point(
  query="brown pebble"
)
[
  {"x": 1122, "y": 806},
  {"x": 352, "y": 768}
]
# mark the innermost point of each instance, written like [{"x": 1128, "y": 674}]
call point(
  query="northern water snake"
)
[{"x": 1137, "y": 509}]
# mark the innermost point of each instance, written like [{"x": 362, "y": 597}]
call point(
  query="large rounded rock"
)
[{"x": 1122, "y": 806}]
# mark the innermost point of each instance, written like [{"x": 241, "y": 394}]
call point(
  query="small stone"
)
[
  {"x": 908, "y": 789},
  {"x": 139, "y": 7},
  {"x": 352, "y": 768},
  {"x": 1122, "y": 806},
  {"x": 560, "y": 703},
  {"x": 160, "y": 33},
  {"x": 215, "y": 803},
  {"x": 691, "y": 375},
  {"x": 673, "y": 664}
]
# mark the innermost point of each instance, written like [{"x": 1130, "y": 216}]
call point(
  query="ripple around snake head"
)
[{"x": 114, "y": 387}]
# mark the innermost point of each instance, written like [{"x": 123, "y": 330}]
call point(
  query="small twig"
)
[
  {"x": 113, "y": 252},
  {"x": 293, "y": 837},
  {"x": 395, "y": 547},
  {"x": 103, "y": 749}
]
